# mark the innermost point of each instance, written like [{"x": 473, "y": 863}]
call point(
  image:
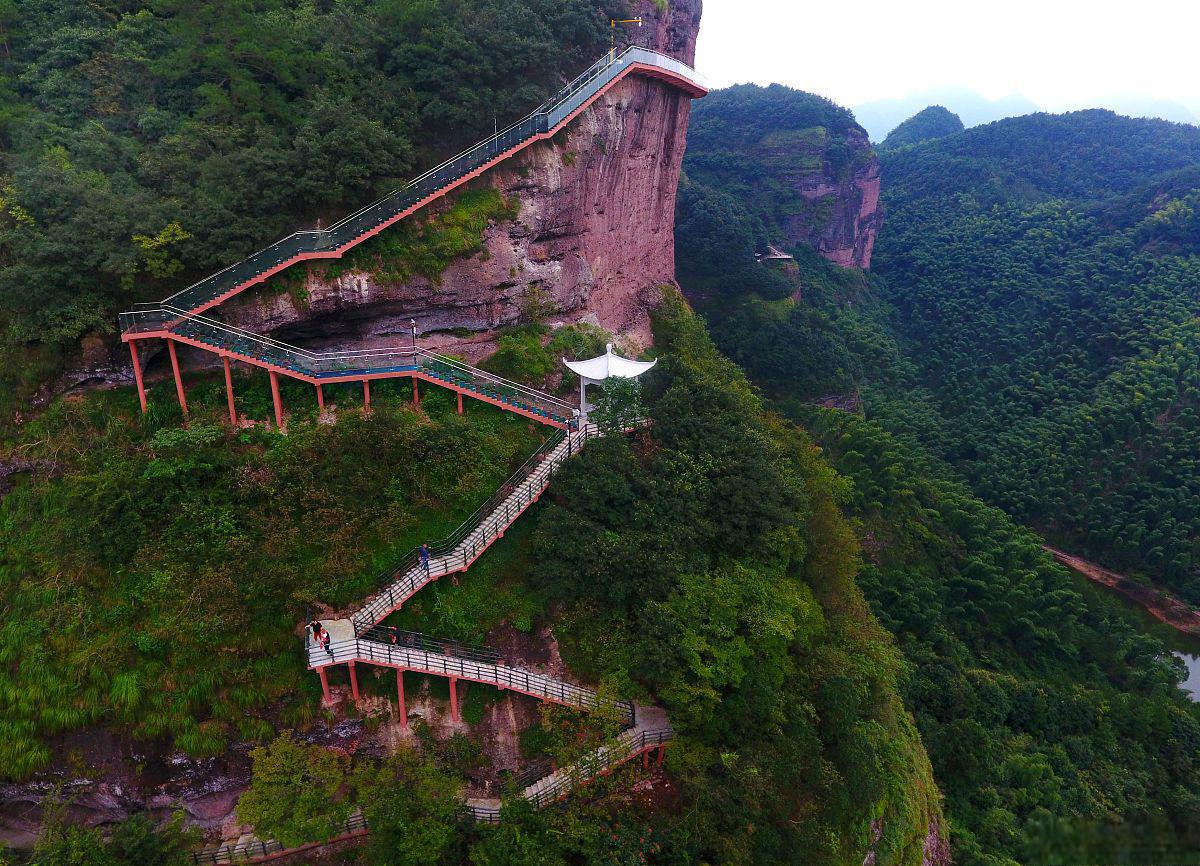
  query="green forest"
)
[
  {"x": 1057, "y": 334},
  {"x": 724, "y": 590},
  {"x": 1026, "y": 338},
  {"x": 820, "y": 555}
]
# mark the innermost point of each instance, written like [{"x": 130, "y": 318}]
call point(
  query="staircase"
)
[
  {"x": 489, "y": 522},
  {"x": 527, "y": 682},
  {"x": 335, "y": 240},
  {"x": 205, "y": 332}
]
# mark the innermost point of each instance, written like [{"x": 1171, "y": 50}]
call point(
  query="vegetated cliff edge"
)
[
  {"x": 797, "y": 162},
  {"x": 582, "y": 228}
]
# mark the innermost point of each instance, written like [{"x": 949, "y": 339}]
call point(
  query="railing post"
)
[
  {"x": 400, "y": 696},
  {"x": 137, "y": 375}
]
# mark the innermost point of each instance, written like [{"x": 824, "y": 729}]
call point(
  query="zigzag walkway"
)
[
  {"x": 361, "y": 640},
  {"x": 177, "y": 319}
]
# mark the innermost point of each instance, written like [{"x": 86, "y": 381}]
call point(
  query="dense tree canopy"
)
[
  {"x": 1057, "y": 336},
  {"x": 926, "y": 125},
  {"x": 1031, "y": 323}
]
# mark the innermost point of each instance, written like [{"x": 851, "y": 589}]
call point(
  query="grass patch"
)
[
  {"x": 426, "y": 248},
  {"x": 490, "y": 592},
  {"x": 157, "y": 581}
]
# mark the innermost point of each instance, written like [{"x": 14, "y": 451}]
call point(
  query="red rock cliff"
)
[
  {"x": 849, "y": 207},
  {"x": 594, "y": 231}
]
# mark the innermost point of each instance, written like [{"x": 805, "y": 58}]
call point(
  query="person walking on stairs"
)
[{"x": 424, "y": 554}]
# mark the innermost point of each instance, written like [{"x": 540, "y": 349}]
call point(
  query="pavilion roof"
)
[{"x": 609, "y": 365}]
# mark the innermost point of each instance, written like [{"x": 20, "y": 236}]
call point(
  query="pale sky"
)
[{"x": 1059, "y": 53}]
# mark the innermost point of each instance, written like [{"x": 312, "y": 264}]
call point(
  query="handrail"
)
[
  {"x": 244, "y": 852},
  {"x": 417, "y": 640},
  {"x": 609, "y": 755},
  {"x": 458, "y": 549},
  {"x": 415, "y": 659},
  {"x": 341, "y": 234},
  {"x": 173, "y": 319}
]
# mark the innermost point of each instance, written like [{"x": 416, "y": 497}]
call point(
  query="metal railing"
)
[
  {"x": 624, "y": 747},
  {"x": 356, "y": 362},
  {"x": 330, "y": 241},
  {"x": 444, "y": 646},
  {"x": 244, "y": 852},
  {"x": 423, "y": 661},
  {"x": 460, "y": 548}
]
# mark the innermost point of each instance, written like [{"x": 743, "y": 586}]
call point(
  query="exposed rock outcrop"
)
[
  {"x": 799, "y": 164},
  {"x": 845, "y": 215},
  {"x": 594, "y": 232}
]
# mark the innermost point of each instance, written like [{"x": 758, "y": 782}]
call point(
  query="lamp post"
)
[
  {"x": 612, "y": 35},
  {"x": 412, "y": 324}
]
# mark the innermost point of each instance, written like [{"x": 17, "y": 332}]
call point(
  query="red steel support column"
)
[
  {"x": 367, "y": 395},
  {"x": 320, "y": 398},
  {"x": 400, "y": 695},
  {"x": 137, "y": 374},
  {"x": 416, "y": 393},
  {"x": 229, "y": 391},
  {"x": 325, "y": 685},
  {"x": 454, "y": 698},
  {"x": 353, "y": 681},
  {"x": 662, "y": 750},
  {"x": 278, "y": 404},
  {"x": 178, "y": 378},
  {"x": 646, "y": 760},
  {"x": 460, "y": 402}
]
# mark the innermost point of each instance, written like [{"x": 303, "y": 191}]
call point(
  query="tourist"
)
[{"x": 423, "y": 552}]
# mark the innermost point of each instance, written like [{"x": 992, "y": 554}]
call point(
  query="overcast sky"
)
[{"x": 1059, "y": 53}]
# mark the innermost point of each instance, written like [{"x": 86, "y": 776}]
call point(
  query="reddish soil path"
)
[{"x": 1161, "y": 604}]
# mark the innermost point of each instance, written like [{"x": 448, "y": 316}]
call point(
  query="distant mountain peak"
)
[
  {"x": 880, "y": 116},
  {"x": 936, "y": 121}
]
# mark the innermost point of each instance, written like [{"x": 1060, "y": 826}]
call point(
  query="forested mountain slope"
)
[
  {"x": 1053, "y": 726},
  {"x": 926, "y": 125},
  {"x": 1045, "y": 282},
  {"x": 703, "y": 563}
]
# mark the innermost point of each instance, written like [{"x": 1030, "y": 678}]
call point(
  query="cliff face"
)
[
  {"x": 593, "y": 234},
  {"x": 843, "y": 216},
  {"x": 800, "y": 165}
]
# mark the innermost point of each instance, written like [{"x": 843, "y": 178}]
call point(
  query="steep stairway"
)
[
  {"x": 478, "y": 532},
  {"x": 334, "y": 241}
]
